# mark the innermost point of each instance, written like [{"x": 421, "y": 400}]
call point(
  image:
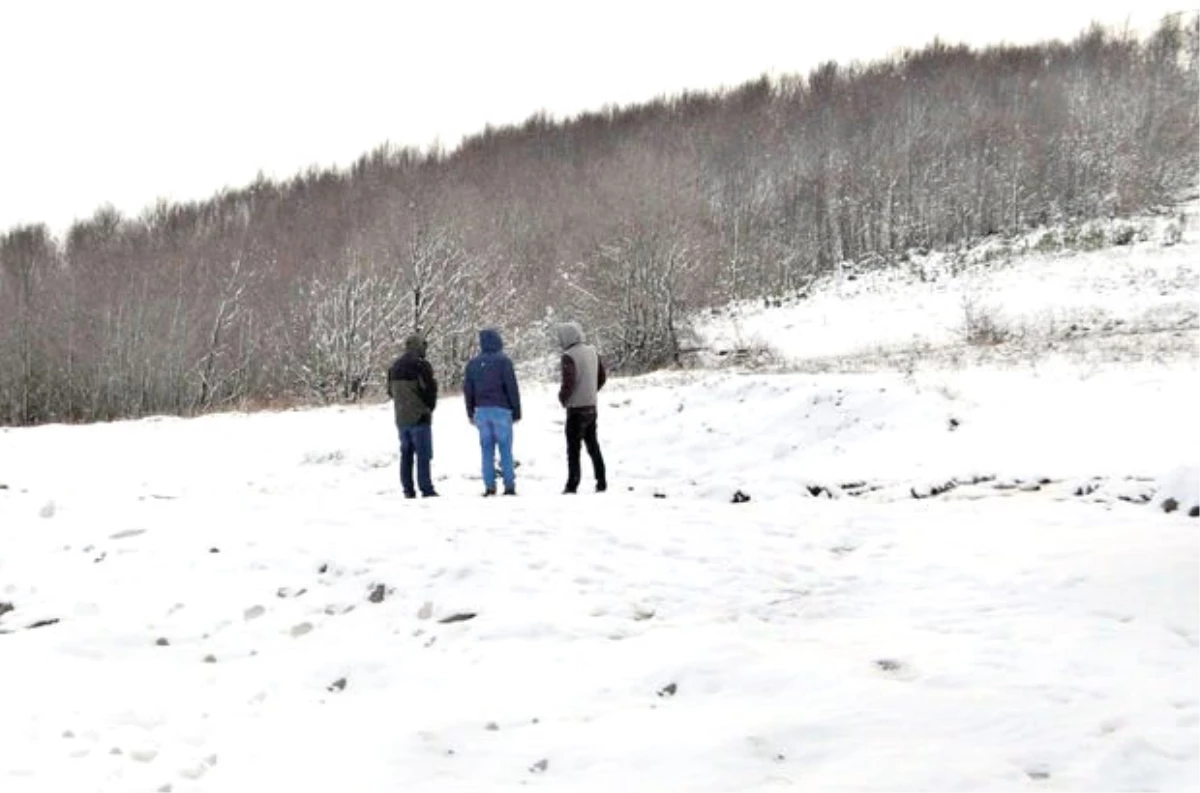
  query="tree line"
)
[{"x": 628, "y": 219}]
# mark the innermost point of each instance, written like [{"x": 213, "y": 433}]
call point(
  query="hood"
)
[
  {"x": 569, "y": 334},
  {"x": 415, "y": 344},
  {"x": 490, "y": 341}
]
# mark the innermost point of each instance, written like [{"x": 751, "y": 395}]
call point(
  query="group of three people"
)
[{"x": 493, "y": 401}]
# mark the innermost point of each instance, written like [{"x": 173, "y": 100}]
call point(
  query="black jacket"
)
[{"x": 412, "y": 386}]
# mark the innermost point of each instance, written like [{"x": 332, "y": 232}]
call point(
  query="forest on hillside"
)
[{"x": 627, "y": 219}]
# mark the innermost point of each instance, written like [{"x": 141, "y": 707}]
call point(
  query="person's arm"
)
[
  {"x": 429, "y": 386},
  {"x": 567, "y": 387},
  {"x": 469, "y": 393},
  {"x": 601, "y": 375},
  {"x": 513, "y": 391}
]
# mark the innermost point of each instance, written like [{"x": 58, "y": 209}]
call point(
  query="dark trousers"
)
[
  {"x": 581, "y": 430},
  {"x": 416, "y": 440}
]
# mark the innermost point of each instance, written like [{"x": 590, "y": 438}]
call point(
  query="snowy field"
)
[{"x": 952, "y": 575}]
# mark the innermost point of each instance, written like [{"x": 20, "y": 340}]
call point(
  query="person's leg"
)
[
  {"x": 487, "y": 447},
  {"x": 504, "y": 437},
  {"x": 592, "y": 442},
  {"x": 406, "y": 462},
  {"x": 574, "y": 437},
  {"x": 423, "y": 441}
]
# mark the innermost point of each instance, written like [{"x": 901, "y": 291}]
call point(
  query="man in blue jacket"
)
[{"x": 493, "y": 406}]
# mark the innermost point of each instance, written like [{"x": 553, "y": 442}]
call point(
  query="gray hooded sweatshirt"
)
[{"x": 583, "y": 372}]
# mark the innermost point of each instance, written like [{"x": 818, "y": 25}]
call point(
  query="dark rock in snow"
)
[
  {"x": 337, "y": 685},
  {"x": 210, "y": 659},
  {"x": 740, "y": 498},
  {"x": 669, "y": 690},
  {"x": 954, "y": 423},
  {"x": 540, "y": 766},
  {"x": 1194, "y": 512},
  {"x": 660, "y": 495},
  {"x": 1170, "y": 505},
  {"x": 378, "y": 593},
  {"x": 491, "y": 726},
  {"x": 324, "y": 568},
  {"x": 889, "y": 665},
  {"x": 161, "y": 642},
  {"x": 461, "y": 616},
  {"x": 214, "y": 550},
  {"x": 301, "y": 629},
  {"x": 933, "y": 490},
  {"x": 43, "y": 623},
  {"x": 5, "y": 608}
]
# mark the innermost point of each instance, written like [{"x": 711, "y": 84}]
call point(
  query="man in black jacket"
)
[
  {"x": 583, "y": 376},
  {"x": 413, "y": 390}
]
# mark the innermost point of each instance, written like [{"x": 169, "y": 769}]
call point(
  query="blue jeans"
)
[
  {"x": 495, "y": 427},
  {"x": 416, "y": 440}
]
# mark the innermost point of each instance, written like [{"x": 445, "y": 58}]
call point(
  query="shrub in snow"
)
[
  {"x": 1172, "y": 235},
  {"x": 1179, "y": 489},
  {"x": 981, "y": 324},
  {"x": 1124, "y": 234}
]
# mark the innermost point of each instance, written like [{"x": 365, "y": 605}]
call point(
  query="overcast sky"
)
[{"x": 126, "y": 101}]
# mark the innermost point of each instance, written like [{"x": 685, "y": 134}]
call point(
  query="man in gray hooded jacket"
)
[{"x": 583, "y": 376}]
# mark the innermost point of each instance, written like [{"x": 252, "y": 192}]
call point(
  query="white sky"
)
[{"x": 125, "y": 101}]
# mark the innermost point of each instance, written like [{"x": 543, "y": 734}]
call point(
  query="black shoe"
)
[
  {"x": 491, "y": 491},
  {"x": 601, "y": 487},
  {"x": 568, "y": 491},
  {"x": 410, "y": 495},
  {"x": 430, "y": 494},
  {"x": 510, "y": 491}
]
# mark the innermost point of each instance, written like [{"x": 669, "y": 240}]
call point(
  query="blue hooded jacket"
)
[{"x": 490, "y": 380}]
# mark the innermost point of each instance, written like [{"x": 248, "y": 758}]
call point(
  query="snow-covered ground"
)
[{"x": 946, "y": 577}]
